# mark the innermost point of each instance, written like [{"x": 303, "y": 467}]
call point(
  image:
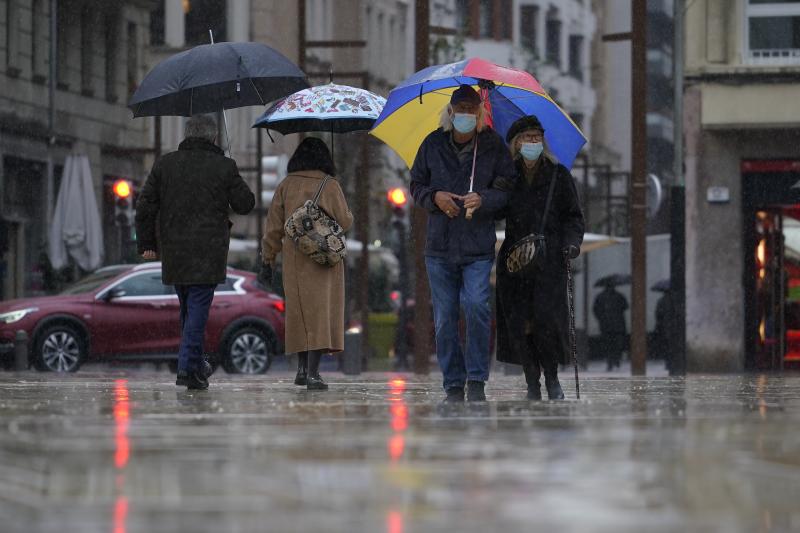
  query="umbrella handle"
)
[{"x": 468, "y": 215}]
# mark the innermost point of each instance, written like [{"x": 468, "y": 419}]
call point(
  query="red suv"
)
[{"x": 125, "y": 312}]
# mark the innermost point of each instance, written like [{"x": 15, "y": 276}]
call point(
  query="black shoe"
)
[
  {"x": 534, "y": 391},
  {"x": 454, "y": 395},
  {"x": 301, "y": 378},
  {"x": 475, "y": 391},
  {"x": 315, "y": 383},
  {"x": 553, "y": 387},
  {"x": 183, "y": 377},
  {"x": 196, "y": 381}
]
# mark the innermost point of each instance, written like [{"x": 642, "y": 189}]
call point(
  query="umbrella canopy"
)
[
  {"x": 661, "y": 286},
  {"x": 76, "y": 231},
  {"x": 213, "y": 77},
  {"x": 332, "y": 108},
  {"x": 613, "y": 280},
  {"x": 413, "y": 107}
]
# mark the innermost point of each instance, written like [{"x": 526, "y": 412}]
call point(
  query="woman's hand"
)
[{"x": 149, "y": 255}]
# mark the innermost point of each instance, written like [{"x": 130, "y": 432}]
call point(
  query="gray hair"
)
[{"x": 203, "y": 126}]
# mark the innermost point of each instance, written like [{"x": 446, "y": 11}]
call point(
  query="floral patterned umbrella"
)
[{"x": 327, "y": 108}]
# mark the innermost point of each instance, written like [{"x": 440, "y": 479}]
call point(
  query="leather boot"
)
[
  {"x": 475, "y": 392},
  {"x": 454, "y": 395},
  {"x": 302, "y": 369},
  {"x": 313, "y": 380},
  {"x": 532, "y": 374},
  {"x": 552, "y": 385}
]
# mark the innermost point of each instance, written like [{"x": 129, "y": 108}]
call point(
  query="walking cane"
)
[{"x": 572, "y": 340}]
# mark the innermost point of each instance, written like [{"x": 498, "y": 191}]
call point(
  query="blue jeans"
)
[
  {"x": 195, "y": 304},
  {"x": 464, "y": 286}
]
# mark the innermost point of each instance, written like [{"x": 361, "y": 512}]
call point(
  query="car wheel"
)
[
  {"x": 248, "y": 351},
  {"x": 59, "y": 348}
]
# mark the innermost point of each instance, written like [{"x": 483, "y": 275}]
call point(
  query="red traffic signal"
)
[
  {"x": 397, "y": 197},
  {"x": 122, "y": 188}
]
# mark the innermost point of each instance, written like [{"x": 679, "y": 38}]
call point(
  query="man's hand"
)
[
  {"x": 149, "y": 255},
  {"x": 446, "y": 202},
  {"x": 473, "y": 201}
]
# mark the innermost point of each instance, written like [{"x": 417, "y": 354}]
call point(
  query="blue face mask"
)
[
  {"x": 531, "y": 151},
  {"x": 464, "y": 122}
]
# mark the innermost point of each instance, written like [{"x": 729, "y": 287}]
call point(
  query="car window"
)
[
  {"x": 145, "y": 284},
  {"x": 228, "y": 286},
  {"x": 91, "y": 282}
]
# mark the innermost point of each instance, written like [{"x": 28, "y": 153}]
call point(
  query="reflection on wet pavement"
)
[{"x": 129, "y": 452}]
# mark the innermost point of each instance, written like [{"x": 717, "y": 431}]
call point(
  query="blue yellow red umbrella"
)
[{"x": 413, "y": 107}]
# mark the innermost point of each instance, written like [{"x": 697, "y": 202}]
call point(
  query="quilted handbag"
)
[
  {"x": 315, "y": 233},
  {"x": 528, "y": 254}
]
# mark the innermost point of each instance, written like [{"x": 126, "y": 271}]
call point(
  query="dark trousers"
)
[{"x": 195, "y": 303}]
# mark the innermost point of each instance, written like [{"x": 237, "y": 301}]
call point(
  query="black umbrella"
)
[
  {"x": 613, "y": 280},
  {"x": 215, "y": 77},
  {"x": 661, "y": 286}
]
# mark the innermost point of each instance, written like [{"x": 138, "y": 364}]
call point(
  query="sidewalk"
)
[{"x": 126, "y": 451}]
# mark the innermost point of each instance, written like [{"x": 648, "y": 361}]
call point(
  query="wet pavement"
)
[{"x": 126, "y": 451}]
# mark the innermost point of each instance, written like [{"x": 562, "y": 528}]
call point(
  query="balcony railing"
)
[{"x": 775, "y": 56}]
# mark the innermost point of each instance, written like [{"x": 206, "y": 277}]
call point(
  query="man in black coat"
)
[
  {"x": 609, "y": 309},
  {"x": 459, "y": 251},
  {"x": 182, "y": 216}
]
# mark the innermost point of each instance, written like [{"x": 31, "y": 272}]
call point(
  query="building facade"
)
[
  {"x": 741, "y": 129},
  {"x": 99, "y": 60}
]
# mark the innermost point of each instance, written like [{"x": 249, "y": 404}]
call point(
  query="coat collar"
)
[
  {"x": 198, "y": 143},
  {"x": 313, "y": 174}
]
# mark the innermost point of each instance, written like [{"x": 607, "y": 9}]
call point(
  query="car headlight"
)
[{"x": 16, "y": 316}]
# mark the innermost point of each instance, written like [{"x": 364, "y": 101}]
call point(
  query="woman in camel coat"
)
[{"x": 314, "y": 293}]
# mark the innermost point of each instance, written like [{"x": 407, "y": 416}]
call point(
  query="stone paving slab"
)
[{"x": 127, "y": 451}]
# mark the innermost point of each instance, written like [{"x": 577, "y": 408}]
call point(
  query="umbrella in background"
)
[
  {"x": 214, "y": 77},
  {"x": 661, "y": 286},
  {"x": 613, "y": 280},
  {"x": 413, "y": 107},
  {"x": 332, "y": 108},
  {"x": 76, "y": 231}
]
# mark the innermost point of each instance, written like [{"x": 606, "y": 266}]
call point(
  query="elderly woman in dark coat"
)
[{"x": 532, "y": 308}]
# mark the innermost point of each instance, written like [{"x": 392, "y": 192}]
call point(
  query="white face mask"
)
[
  {"x": 464, "y": 122},
  {"x": 531, "y": 151}
]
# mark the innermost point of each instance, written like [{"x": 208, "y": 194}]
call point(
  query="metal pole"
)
[
  {"x": 401, "y": 341},
  {"x": 362, "y": 275},
  {"x": 51, "y": 114},
  {"x": 638, "y": 189},
  {"x": 422, "y": 311},
  {"x": 259, "y": 188},
  {"x": 677, "y": 68},
  {"x": 301, "y": 34}
]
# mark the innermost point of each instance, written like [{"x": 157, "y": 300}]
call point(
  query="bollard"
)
[
  {"x": 21, "y": 351},
  {"x": 351, "y": 358}
]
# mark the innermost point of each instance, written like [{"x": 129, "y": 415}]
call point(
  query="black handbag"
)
[{"x": 528, "y": 254}]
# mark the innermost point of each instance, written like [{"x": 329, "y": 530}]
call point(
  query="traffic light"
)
[
  {"x": 123, "y": 203},
  {"x": 398, "y": 199}
]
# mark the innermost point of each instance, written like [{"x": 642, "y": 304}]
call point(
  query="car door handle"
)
[
  {"x": 158, "y": 305},
  {"x": 222, "y": 304}
]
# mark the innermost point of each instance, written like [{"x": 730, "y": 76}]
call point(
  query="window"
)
[
  {"x": 575, "y": 56},
  {"x": 228, "y": 286},
  {"x": 773, "y": 32},
  {"x": 204, "y": 15},
  {"x": 157, "y": 34},
  {"x": 553, "y": 35},
  {"x": 111, "y": 29},
  {"x": 145, "y": 284},
  {"x": 462, "y": 16},
  {"x": 13, "y": 36},
  {"x": 504, "y": 20},
  {"x": 87, "y": 49},
  {"x": 64, "y": 44},
  {"x": 528, "y": 20},
  {"x": 132, "y": 58},
  {"x": 486, "y": 19},
  {"x": 41, "y": 40}
]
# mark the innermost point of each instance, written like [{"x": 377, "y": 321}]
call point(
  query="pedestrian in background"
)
[
  {"x": 314, "y": 293},
  {"x": 609, "y": 309},
  {"x": 459, "y": 251},
  {"x": 182, "y": 216},
  {"x": 532, "y": 307}
]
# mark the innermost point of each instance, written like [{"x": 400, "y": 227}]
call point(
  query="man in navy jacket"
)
[{"x": 459, "y": 251}]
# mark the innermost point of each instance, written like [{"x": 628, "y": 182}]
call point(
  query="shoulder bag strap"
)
[
  {"x": 549, "y": 199},
  {"x": 319, "y": 191}
]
